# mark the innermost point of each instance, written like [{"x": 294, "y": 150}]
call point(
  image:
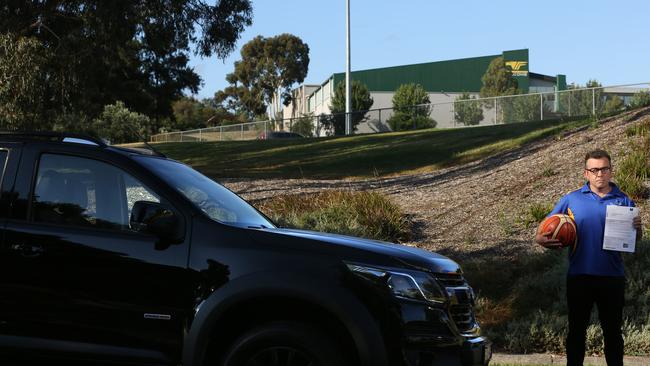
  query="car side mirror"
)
[{"x": 157, "y": 219}]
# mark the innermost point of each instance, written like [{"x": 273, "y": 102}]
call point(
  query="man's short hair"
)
[{"x": 598, "y": 154}]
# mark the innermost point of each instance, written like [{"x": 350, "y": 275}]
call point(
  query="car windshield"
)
[{"x": 215, "y": 200}]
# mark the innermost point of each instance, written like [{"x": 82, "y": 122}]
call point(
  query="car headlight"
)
[{"x": 414, "y": 285}]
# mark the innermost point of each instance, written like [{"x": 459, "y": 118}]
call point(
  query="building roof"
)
[
  {"x": 459, "y": 75},
  {"x": 452, "y": 75}
]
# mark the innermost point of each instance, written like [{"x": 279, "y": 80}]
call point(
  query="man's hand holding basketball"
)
[{"x": 544, "y": 240}]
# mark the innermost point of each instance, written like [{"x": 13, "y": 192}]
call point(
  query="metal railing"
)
[{"x": 455, "y": 113}]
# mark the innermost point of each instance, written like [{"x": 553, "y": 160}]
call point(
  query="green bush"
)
[
  {"x": 361, "y": 100},
  {"x": 536, "y": 213},
  {"x": 303, "y": 125},
  {"x": 632, "y": 172},
  {"x": 638, "y": 129},
  {"x": 521, "y": 108},
  {"x": 412, "y": 107},
  {"x": 119, "y": 125},
  {"x": 467, "y": 111},
  {"x": 401, "y": 121},
  {"x": 640, "y": 99},
  {"x": 581, "y": 102},
  {"x": 613, "y": 104},
  {"x": 365, "y": 214}
]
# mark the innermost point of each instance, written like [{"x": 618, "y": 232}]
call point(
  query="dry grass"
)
[{"x": 365, "y": 214}]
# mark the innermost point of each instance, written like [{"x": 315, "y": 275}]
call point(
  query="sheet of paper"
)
[{"x": 620, "y": 235}]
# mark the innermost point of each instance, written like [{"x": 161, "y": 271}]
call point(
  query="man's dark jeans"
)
[{"x": 608, "y": 293}]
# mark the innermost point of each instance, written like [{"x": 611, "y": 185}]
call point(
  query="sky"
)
[{"x": 604, "y": 40}]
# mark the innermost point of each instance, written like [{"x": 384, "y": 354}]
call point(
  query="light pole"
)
[{"x": 348, "y": 87}]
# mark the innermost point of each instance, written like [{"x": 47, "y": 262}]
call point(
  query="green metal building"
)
[{"x": 444, "y": 80}]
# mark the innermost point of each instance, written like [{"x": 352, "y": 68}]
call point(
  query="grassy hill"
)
[{"x": 359, "y": 156}]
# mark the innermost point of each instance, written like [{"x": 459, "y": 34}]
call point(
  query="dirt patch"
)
[{"x": 480, "y": 208}]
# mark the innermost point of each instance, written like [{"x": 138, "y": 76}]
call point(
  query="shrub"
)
[
  {"x": 521, "y": 108},
  {"x": 581, "y": 102},
  {"x": 365, "y": 214},
  {"x": 548, "y": 172},
  {"x": 361, "y": 102},
  {"x": 633, "y": 171},
  {"x": 467, "y": 110},
  {"x": 536, "y": 213},
  {"x": 401, "y": 121},
  {"x": 411, "y": 108},
  {"x": 640, "y": 99},
  {"x": 638, "y": 129},
  {"x": 303, "y": 125},
  {"x": 119, "y": 125},
  {"x": 613, "y": 104}
]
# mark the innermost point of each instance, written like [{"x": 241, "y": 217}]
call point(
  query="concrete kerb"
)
[{"x": 551, "y": 359}]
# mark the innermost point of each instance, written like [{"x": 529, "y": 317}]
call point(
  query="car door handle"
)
[{"x": 28, "y": 250}]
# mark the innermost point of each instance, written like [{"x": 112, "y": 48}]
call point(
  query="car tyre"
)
[{"x": 284, "y": 344}]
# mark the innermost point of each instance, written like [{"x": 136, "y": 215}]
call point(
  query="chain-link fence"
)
[
  {"x": 457, "y": 113},
  {"x": 242, "y": 131}
]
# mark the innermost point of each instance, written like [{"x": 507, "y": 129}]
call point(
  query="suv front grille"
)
[
  {"x": 450, "y": 279},
  {"x": 461, "y": 309},
  {"x": 463, "y": 316}
]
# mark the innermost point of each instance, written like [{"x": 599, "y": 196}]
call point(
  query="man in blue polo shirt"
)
[{"x": 596, "y": 276}]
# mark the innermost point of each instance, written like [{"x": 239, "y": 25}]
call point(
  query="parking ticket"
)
[{"x": 620, "y": 234}]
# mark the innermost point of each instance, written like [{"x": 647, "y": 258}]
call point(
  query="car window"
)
[
  {"x": 85, "y": 192},
  {"x": 215, "y": 200}
]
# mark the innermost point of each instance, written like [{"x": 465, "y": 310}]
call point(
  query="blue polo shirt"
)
[{"x": 588, "y": 210}]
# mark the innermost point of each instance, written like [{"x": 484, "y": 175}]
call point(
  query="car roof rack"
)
[
  {"x": 76, "y": 138},
  {"x": 53, "y": 137}
]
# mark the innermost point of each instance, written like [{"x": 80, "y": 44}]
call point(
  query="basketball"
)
[{"x": 562, "y": 228}]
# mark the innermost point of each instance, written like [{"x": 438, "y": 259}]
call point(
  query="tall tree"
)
[
  {"x": 241, "y": 99},
  {"x": 23, "y": 82},
  {"x": 133, "y": 51},
  {"x": 497, "y": 80},
  {"x": 268, "y": 68},
  {"x": 361, "y": 103}
]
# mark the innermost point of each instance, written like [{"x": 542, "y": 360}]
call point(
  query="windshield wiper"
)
[{"x": 260, "y": 226}]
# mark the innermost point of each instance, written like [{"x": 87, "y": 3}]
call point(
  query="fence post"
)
[
  {"x": 220, "y": 133},
  {"x": 242, "y": 132},
  {"x": 593, "y": 102},
  {"x": 200, "y": 135},
  {"x": 541, "y": 106},
  {"x": 496, "y": 114},
  {"x": 380, "y": 116},
  {"x": 453, "y": 113},
  {"x": 181, "y": 136}
]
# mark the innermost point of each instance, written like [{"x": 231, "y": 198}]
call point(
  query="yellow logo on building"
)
[{"x": 516, "y": 67}]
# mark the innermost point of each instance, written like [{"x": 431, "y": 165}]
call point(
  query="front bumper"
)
[{"x": 473, "y": 352}]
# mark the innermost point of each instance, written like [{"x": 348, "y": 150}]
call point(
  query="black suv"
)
[{"x": 123, "y": 256}]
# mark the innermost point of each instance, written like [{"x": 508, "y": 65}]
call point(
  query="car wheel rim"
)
[{"x": 280, "y": 356}]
